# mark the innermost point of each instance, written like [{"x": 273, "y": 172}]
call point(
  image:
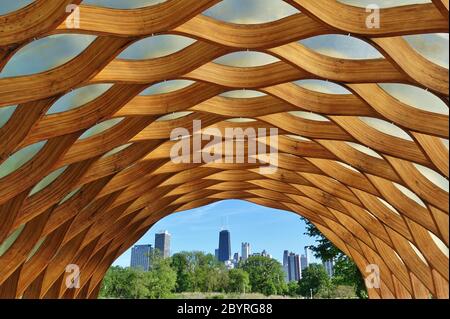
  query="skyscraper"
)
[
  {"x": 245, "y": 251},
  {"x": 286, "y": 265},
  {"x": 236, "y": 260},
  {"x": 224, "y": 245},
  {"x": 162, "y": 243},
  {"x": 304, "y": 261},
  {"x": 285, "y": 257},
  {"x": 294, "y": 267},
  {"x": 140, "y": 257}
]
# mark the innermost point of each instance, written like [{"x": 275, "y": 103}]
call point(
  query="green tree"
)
[
  {"x": 346, "y": 273},
  {"x": 314, "y": 278},
  {"x": 292, "y": 288},
  {"x": 161, "y": 279},
  {"x": 124, "y": 283},
  {"x": 182, "y": 266},
  {"x": 266, "y": 275},
  {"x": 345, "y": 270},
  {"x": 238, "y": 281},
  {"x": 199, "y": 272}
]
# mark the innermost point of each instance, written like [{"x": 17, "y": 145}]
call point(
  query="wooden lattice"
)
[{"x": 360, "y": 208}]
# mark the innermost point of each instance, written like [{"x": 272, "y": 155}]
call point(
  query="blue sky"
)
[{"x": 198, "y": 229}]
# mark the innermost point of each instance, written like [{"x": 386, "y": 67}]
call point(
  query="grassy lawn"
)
[{"x": 218, "y": 295}]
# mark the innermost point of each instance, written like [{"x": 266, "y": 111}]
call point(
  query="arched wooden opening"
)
[{"x": 365, "y": 189}]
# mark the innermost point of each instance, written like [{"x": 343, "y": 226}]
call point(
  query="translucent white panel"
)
[
  {"x": 418, "y": 253},
  {"x": 433, "y": 177},
  {"x": 398, "y": 256},
  {"x": 364, "y": 149},
  {"x": 416, "y": 97},
  {"x": 167, "y": 87},
  {"x": 299, "y": 138},
  {"x": 388, "y": 206},
  {"x": 78, "y": 98},
  {"x": 57, "y": 50},
  {"x": 69, "y": 196},
  {"x": 383, "y": 3},
  {"x": 245, "y": 59},
  {"x": 410, "y": 194},
  {"x": 322, "y": 86},
  {"x": 123, "y": 4},
  {"x": 101, "y": 127},
  {"x": 173, "y": 116},
  {"x": 6, "y": 113},
  {"x": 250, "y": 11},
  {"x": 386, "y": 127},
  {"x": 347, "y": 166},
  {"x": 309, "y": 116},
  {"x": 370, "y": 214},
  {"x": 443, "y": 247},
  {"x": 10, "y": 240},
  {"x": 342, "y": 46},
  {"x": 35, "y": 248},
  {"x": 11, "y": 6},
  {"x": 16, "y": 160},
  {"x": 445, "y": 142},
  {"x": 240, "y": 120},
  {"x": 243, "y": 94},
  {"x": 116, "y": 150},
  {"x": 47, "y": 180},
  {"x": 155, "y": 47},
  {"x": 434, "y": 47}
]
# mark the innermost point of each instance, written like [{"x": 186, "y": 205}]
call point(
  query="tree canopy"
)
[
  {"x": 266, "y": 275},
  {"x": 345, "y": 270}
]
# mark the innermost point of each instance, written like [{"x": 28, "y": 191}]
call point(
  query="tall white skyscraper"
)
[{"x": 245, "y": 251}]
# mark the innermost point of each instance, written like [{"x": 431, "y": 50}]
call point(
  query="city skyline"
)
[{"x": 264, "y": 228}]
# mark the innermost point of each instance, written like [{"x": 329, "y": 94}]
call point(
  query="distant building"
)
[
  {"x": 304, "y": 260},
  {"x": 329, "y": 267},
  {"x": 292, "y": 266},
  {"x": 285, "y": 257},
  {"x": 224, "y": 246},
  {"x": 245, "y": 251},
  {"x": 286, "y": 265},
  {"x": 162, "y": 243},
  {"x": 264, "y": 253},
  {"x": 140, "y": 257},
  {"x": 236, "y": 260}
]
